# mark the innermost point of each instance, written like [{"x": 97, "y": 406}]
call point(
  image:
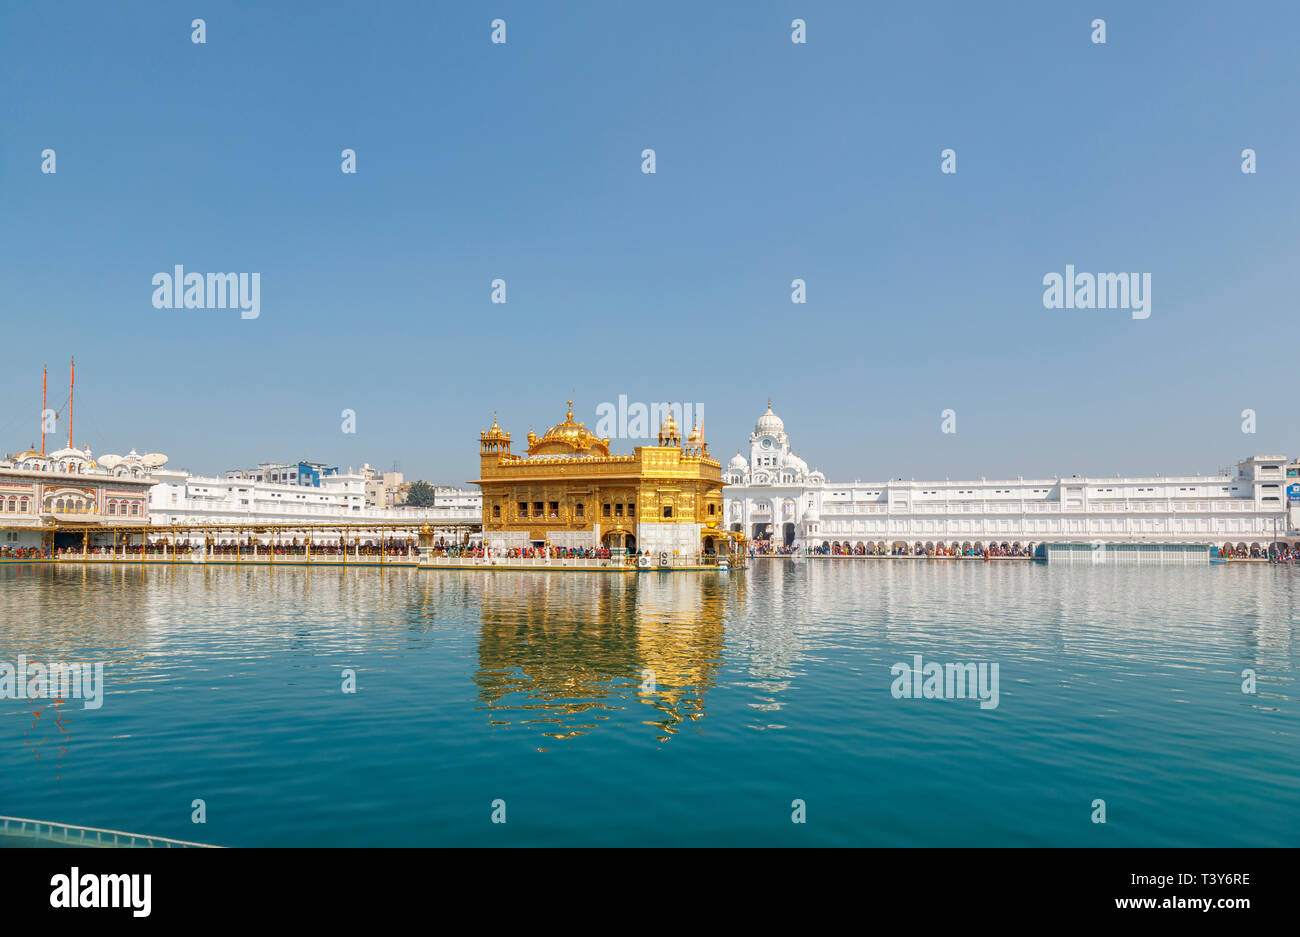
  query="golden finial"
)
[
  {"x": 570, "y": 414},
  {"x": 769, "y": 403}
]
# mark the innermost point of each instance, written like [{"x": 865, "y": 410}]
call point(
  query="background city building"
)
[
  {"x": 383, "y": 489},
  {"x": 179, "y": 497},
  {"x": 304, "y": 474}
]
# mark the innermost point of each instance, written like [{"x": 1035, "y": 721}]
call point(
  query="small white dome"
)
[
  {"x": 737, "y": 463},
  {"x": 792, "y": 461}
]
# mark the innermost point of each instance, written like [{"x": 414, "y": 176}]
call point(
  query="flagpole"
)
[
  {"x": 45, "y": 376},
  {"x": 72, "y": 384}
]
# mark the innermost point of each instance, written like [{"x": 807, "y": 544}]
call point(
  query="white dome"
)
[
  {"x": 810, "y": 514},
  {"x": 769, "y": 423},
  {"x": 737, "y": 463},
  {"x": 792, "y": 461}
]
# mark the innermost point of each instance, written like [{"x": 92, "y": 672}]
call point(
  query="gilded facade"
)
[{"x": 569, "y": 490}]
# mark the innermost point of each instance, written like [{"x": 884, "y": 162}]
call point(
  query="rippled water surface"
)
[{"x": 769, "y": 686}]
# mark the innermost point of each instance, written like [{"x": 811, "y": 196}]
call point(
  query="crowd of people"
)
[
  {"x": 1284, "y": 554},
  {"x": 457, "y": 551},
  {"x": 765, "y": 548},
  {"x": 532, "y": 553},
  {"x": 1273, "y": 552},
  {"x": 388, "y": 547}
]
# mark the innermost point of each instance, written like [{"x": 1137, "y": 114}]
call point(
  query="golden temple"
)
[{"x": 570, "y": 491}]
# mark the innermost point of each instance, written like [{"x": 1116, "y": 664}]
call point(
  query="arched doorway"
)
[{"x": 619, "y": 540}]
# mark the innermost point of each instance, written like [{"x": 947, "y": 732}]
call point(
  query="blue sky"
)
[{"x": 774, "y": 161}]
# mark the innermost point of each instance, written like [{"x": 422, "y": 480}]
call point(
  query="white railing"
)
[{"x": 72, "y": 835}]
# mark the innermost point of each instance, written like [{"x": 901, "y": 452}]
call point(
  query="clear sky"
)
[{"x": 774, "y": 161}]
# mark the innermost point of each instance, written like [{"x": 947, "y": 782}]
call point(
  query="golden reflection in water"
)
[{"x": 564, "y": 653}]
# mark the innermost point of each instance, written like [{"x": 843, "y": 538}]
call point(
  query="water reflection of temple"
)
[{"x": 566, "y": 653}]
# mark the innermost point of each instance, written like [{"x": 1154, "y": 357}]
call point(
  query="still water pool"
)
[{"x": 660, "y": 708}]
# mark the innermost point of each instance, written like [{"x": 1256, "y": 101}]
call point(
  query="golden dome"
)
[
  {"x": 696, "y": 436},
  {"x": 668, "y": 432},
  {"x": 28, "y": 454},
  {"x": 568, "y": 438}
]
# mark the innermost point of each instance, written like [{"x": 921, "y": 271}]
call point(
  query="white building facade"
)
[
  {"x": 178, "y": 497},
  {"x": 774, "y": 492}
]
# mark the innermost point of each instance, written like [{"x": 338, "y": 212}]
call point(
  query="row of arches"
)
[
  {"x": 1241, "y": 550},
  {"x": 78, "y": 465},
  {"x": 69, "y": 502},
  {"x": 763, "y": 532},
  {"x": 926, "y": 548},
  {"x": 16, "y": 505}
]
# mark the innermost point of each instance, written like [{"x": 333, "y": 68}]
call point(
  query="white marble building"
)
[{"x": 775, "y": 489}]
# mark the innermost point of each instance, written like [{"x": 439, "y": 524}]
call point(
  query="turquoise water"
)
[{"x": 769, "y": 686}]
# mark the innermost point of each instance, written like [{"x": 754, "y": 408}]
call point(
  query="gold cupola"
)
[
  {"x": 669, "y": 435},
  {"x": 695, "y": 444},
  {"x": 568, "y": 438},
  {"x": 494, "y": 439}
]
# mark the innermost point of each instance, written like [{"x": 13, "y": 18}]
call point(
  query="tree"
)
[{"x": 421, "y": 495}]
